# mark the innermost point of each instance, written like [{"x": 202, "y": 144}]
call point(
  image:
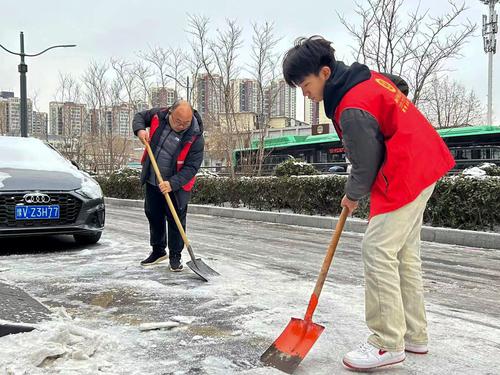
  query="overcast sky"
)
[{"x": 112, "y": 28}]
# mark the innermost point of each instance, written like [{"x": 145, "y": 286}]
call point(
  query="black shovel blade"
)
[{"x": 201, "y": 269}]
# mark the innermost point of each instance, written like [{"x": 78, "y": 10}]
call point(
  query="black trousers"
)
[{"x": 157, "y": 211}]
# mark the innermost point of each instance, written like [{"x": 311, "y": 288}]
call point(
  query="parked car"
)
[
  {"x": 43, "y": 193},
  {"x": 336, "y": 169}
]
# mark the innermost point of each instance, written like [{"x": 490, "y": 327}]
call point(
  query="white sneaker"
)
[
  {"x": 367, "y": 356},
  {"x": 416, "y": 348}
]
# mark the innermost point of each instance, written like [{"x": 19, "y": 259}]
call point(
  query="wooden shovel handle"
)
[
  {"x": 326, "y": 263},
  {"x": 167, "y": 196}
]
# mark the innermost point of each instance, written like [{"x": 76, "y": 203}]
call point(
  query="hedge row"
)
[{"x": 458, "y": 202}]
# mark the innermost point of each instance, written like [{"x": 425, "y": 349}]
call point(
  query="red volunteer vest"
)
[
  {"x": 155, "y": 123},
  {"x": 416, "y": 156}
]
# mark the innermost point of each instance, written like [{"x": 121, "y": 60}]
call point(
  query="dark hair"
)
[{"x": 307, "y": 56}]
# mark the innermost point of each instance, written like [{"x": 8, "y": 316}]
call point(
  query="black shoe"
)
[
  {"x": 176, "y": 265},
  {"x": 154, "y": 258}
]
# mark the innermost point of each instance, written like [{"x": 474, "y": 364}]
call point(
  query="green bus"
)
[{"x": 470, "y": 145}]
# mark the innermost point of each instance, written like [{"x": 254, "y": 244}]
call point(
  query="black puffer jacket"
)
[{"x": 194, "y": 158}]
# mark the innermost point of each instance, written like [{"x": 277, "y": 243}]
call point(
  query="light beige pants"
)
[{"x": 394, "y": 295}]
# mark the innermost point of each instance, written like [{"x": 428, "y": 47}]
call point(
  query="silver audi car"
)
[{"x": 42, "y": 193}]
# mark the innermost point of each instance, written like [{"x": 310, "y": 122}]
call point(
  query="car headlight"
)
[{"x": 90, "y": 189}]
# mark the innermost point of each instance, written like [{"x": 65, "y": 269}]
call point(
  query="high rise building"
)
[
  {"x": 6, "y": 94},
  {"x": 314, "y": 113},
  {"x": 3, "y": 117},
  {"x": 10, "y": 114},
  {"x": 163, "y": 96},
  {"x": 39, "y": 125},
  {"x": 122, "y": 116},
  {"x": 280, "y": 100},
  {"x": 68, "y": 119},
  {"x": 207, "y": 95},
  {"x": 246, "y": 95}
]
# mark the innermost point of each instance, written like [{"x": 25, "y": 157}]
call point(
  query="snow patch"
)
[
  {"x": 474, "y": 172},
  {"x": 217, "y": 365},
  {"x": 86, "y": 252}
]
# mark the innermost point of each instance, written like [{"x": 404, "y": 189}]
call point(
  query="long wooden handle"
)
[
  {"x": 167, "y": 196},
  {"x": 313, "y": 302}
]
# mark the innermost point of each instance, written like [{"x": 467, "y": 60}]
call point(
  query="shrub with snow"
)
[{"x": 292, "y": 167}]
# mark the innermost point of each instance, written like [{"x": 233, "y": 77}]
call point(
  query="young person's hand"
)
[{"x": 349, "y": 204}]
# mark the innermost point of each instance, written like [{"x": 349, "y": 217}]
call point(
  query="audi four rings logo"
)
[{"x": 36, "y": 198}]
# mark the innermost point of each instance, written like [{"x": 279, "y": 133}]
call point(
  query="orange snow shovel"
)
[
  {"x": 197, "y": 265},
  {"x": 291, "y": 347}
]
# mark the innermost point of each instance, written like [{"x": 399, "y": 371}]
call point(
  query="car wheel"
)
[{"x": 87, "y": 239}]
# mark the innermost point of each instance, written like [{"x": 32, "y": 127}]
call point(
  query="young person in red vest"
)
[
  {"x": 396, "y": 157},
  {"x": 176, "y": 138}
]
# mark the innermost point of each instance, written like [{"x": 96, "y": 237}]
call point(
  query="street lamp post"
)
[
  {"x": 186, "y": 86},
  {"x": 490, "y": 28},
  {"x": 23, "y": 69}
]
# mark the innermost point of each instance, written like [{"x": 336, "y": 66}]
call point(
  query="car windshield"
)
[{"x": 30, "y": 154}]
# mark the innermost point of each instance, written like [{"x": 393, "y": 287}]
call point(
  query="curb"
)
[
  {"x": 12, "y": 329},
  {"x": 19, "y": 311},
  {"x": 448, "y": 236}
]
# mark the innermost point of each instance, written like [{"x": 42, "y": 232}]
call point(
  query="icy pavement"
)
[{"x": 268, "y": 273}]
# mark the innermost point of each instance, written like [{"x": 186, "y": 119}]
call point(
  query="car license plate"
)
[{"x": 37, "y": 212}]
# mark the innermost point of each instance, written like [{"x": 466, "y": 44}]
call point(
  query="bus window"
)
[
  {"x": 323, "y": 157},
  {"x": 487, "y": 153},
  {"x": 476, "y": 154}
]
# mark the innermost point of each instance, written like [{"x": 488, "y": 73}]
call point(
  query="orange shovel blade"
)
[{"x": 291, "y": 347}]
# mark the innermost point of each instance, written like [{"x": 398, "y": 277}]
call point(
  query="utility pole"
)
[{"x": 490, "y": 28}]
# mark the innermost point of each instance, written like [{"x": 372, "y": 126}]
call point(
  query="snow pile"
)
[
  {"x": 202, "y": 172},
  {"x": 58, "y": 346},
  {"x": 300, "y": 163},
  {"x": 480, "y": 171},
  {"x": 475, "y": 172},
  {"x": 487, "y": 165}
]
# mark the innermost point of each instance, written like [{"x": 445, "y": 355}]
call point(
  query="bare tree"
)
[
  {"x": 35, "y": 94},
  {"x": 68, "y": 97},
  {"x": 158, "y": 58},
  {"x": 129, "y": 81},
  {"x": 143, "y": 74},
  {"x": 218, "y": 59},
  {"x": 176, "y": 65},
  {"x": 448, "y": 104},
  {"x": 415, "y": 46},
  {"x": 108, "y": 151},
  {"x": 68, "y": 89},
  {"x": 264, "y": 69},
  {"x": 193, "y": 67},
  {"x": 169, "y": 65}
]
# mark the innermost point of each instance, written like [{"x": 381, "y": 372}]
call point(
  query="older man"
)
[{"x": 176, "y": 138}]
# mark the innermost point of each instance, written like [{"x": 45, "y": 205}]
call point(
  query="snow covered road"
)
[{"x": 268, "y": 273}]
